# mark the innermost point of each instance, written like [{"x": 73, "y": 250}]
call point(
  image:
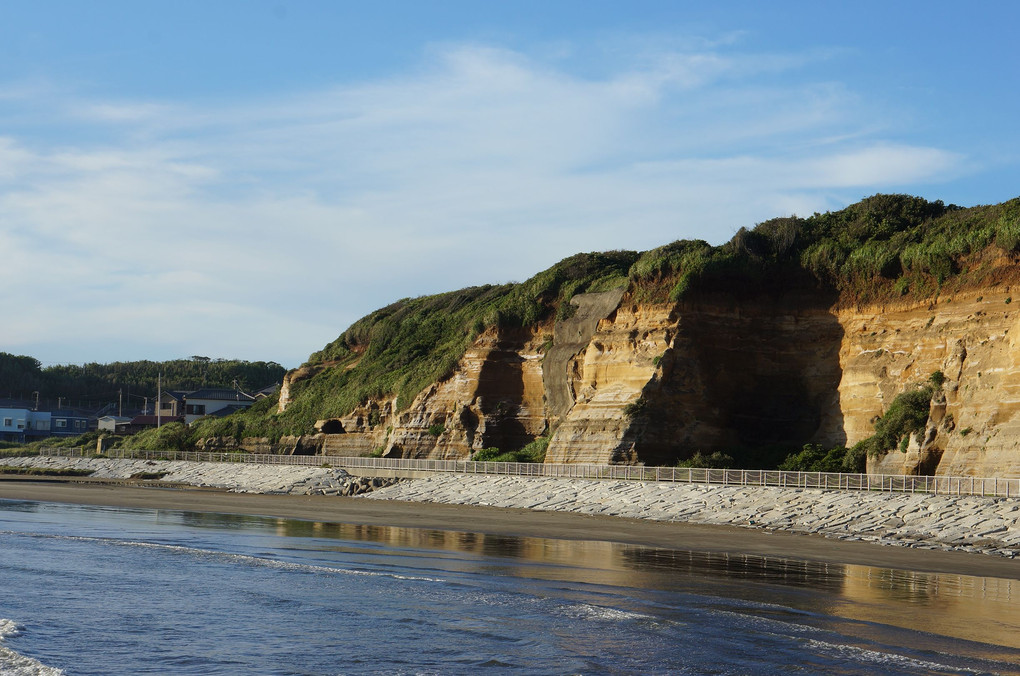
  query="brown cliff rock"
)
[
  {"x": 494, "y": 398},
  {"x": 798, "y": 331},
  {"x": 617, "y": 363},
  {"x": 628, "y": 382},
  {"x": 971, "y": 338}
]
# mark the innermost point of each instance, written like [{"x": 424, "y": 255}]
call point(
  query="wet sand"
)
[{"x": 517, "y": 522}]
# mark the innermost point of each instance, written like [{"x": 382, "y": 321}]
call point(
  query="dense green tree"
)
[{"x": 21, "y": 376}]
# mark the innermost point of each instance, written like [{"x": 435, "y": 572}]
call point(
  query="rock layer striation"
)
[{"x": 626, "y": 381}]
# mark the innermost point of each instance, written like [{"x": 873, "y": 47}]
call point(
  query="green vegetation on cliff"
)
[
  {"x": 907, "y": 414},
  {"x": 885, "y": 246},
  {"x": 533, "y": 452},
  {"x": 882, "y": 248},
  {"x": 170, "y": 437},
  {"x": 404, "y": 347}
]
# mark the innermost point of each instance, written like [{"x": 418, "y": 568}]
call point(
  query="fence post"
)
[{"x": 742, "y": 477}]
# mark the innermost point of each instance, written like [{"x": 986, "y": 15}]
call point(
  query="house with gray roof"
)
[{"x": 200, "y": 403}]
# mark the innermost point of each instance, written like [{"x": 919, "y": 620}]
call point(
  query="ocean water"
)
[{"x": 98, "y": 590}]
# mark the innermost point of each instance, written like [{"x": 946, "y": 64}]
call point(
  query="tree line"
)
[{"x": 21, "y": 377}]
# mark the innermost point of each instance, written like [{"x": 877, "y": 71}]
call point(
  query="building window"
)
[
  {"x": 61, "y": 423},
  {"x": 79, "y": 424},
  {"x": 21, "y": 424},
  {"x": 8, "y": 422},
  {"x": 165, "y": 405},
  {"x": 196, "y": 409}
]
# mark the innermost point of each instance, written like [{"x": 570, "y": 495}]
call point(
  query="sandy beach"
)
[{"x": 519, "y": 522}]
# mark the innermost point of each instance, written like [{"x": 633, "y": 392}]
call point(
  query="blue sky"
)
[{"x": 245, "y": 179}]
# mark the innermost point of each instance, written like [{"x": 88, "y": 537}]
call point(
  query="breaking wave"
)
[{"x": 15, "y": 664}]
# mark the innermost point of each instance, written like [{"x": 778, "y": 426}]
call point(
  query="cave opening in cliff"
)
[
  {"x": 773, "y": 410},
  {"x": 750, "y": 374}
]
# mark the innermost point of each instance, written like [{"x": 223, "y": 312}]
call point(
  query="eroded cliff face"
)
[
  {"x": 624, "y": 381},
  {"x": 494, "y": 399},
  {"x": 974, "y": 427},
  {"x": 603, "y": 381},
  {"x": 751, "y": 372}
]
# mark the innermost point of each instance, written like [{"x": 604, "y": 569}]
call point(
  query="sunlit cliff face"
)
[{"x": 650, "y": 383}]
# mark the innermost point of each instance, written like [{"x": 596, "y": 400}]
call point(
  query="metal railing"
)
[{"x": 937, "y": 485}]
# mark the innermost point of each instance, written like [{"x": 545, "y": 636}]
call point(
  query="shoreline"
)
[{"x": 517, "y": 522}]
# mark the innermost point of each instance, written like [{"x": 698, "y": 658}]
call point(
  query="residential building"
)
[
  {"x": 171, "y": 403},
  {"x": 108, "y": 423},
  {"x": 22, "y": 424},
  {"x": 267, "y": 391},
  {"x": 199, "y": 403},
  {"x": 66, "y": 423}
]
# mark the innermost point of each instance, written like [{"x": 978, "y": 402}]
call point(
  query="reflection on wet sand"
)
[
  {"x": 977, "y": 609},
  {"x": 973, "y": 608}
]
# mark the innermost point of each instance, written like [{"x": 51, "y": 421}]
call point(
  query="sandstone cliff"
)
[
  {"x": 800, "y": 331},
  {"x": 718, "y": 375},
  {"x": 974, "y": 427}
]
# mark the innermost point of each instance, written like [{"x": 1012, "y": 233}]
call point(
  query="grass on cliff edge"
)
[
  {"x": 399, "y": 350},
  {"x": 882, "y": 248}
]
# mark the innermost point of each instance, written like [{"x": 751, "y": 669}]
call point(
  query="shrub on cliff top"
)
[{"x": 885, "y": 246}]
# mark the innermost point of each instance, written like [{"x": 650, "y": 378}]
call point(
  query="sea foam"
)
[{"x": 16, "y": 664}]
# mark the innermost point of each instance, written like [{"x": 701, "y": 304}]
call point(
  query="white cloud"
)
[
  {"x": 260, "y": 229},
  {"x": 883, "y": 165},
  {"x": 120, "y": 113}
]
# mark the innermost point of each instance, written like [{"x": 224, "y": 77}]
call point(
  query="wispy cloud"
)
[{"x": 261, "y": 228}]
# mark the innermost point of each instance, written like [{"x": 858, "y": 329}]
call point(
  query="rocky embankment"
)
[
  {"x": 966, "y": 523},
  {"x": 924, "y": 521},
  {"x": 234, "y": 477}
]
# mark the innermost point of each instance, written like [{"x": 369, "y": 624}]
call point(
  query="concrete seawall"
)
[
  {"x": 235, "y": 477},
  {"x": 974, "y": 524},
  {"x": 966, "y": 523}
]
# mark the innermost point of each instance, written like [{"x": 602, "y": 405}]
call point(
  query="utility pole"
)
[
  {"x": 120, "y": 403},
  {"x": 59, "y": 399},
  {"x": 36, "y": 393},
  {"x": 159, "y": 396}
]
